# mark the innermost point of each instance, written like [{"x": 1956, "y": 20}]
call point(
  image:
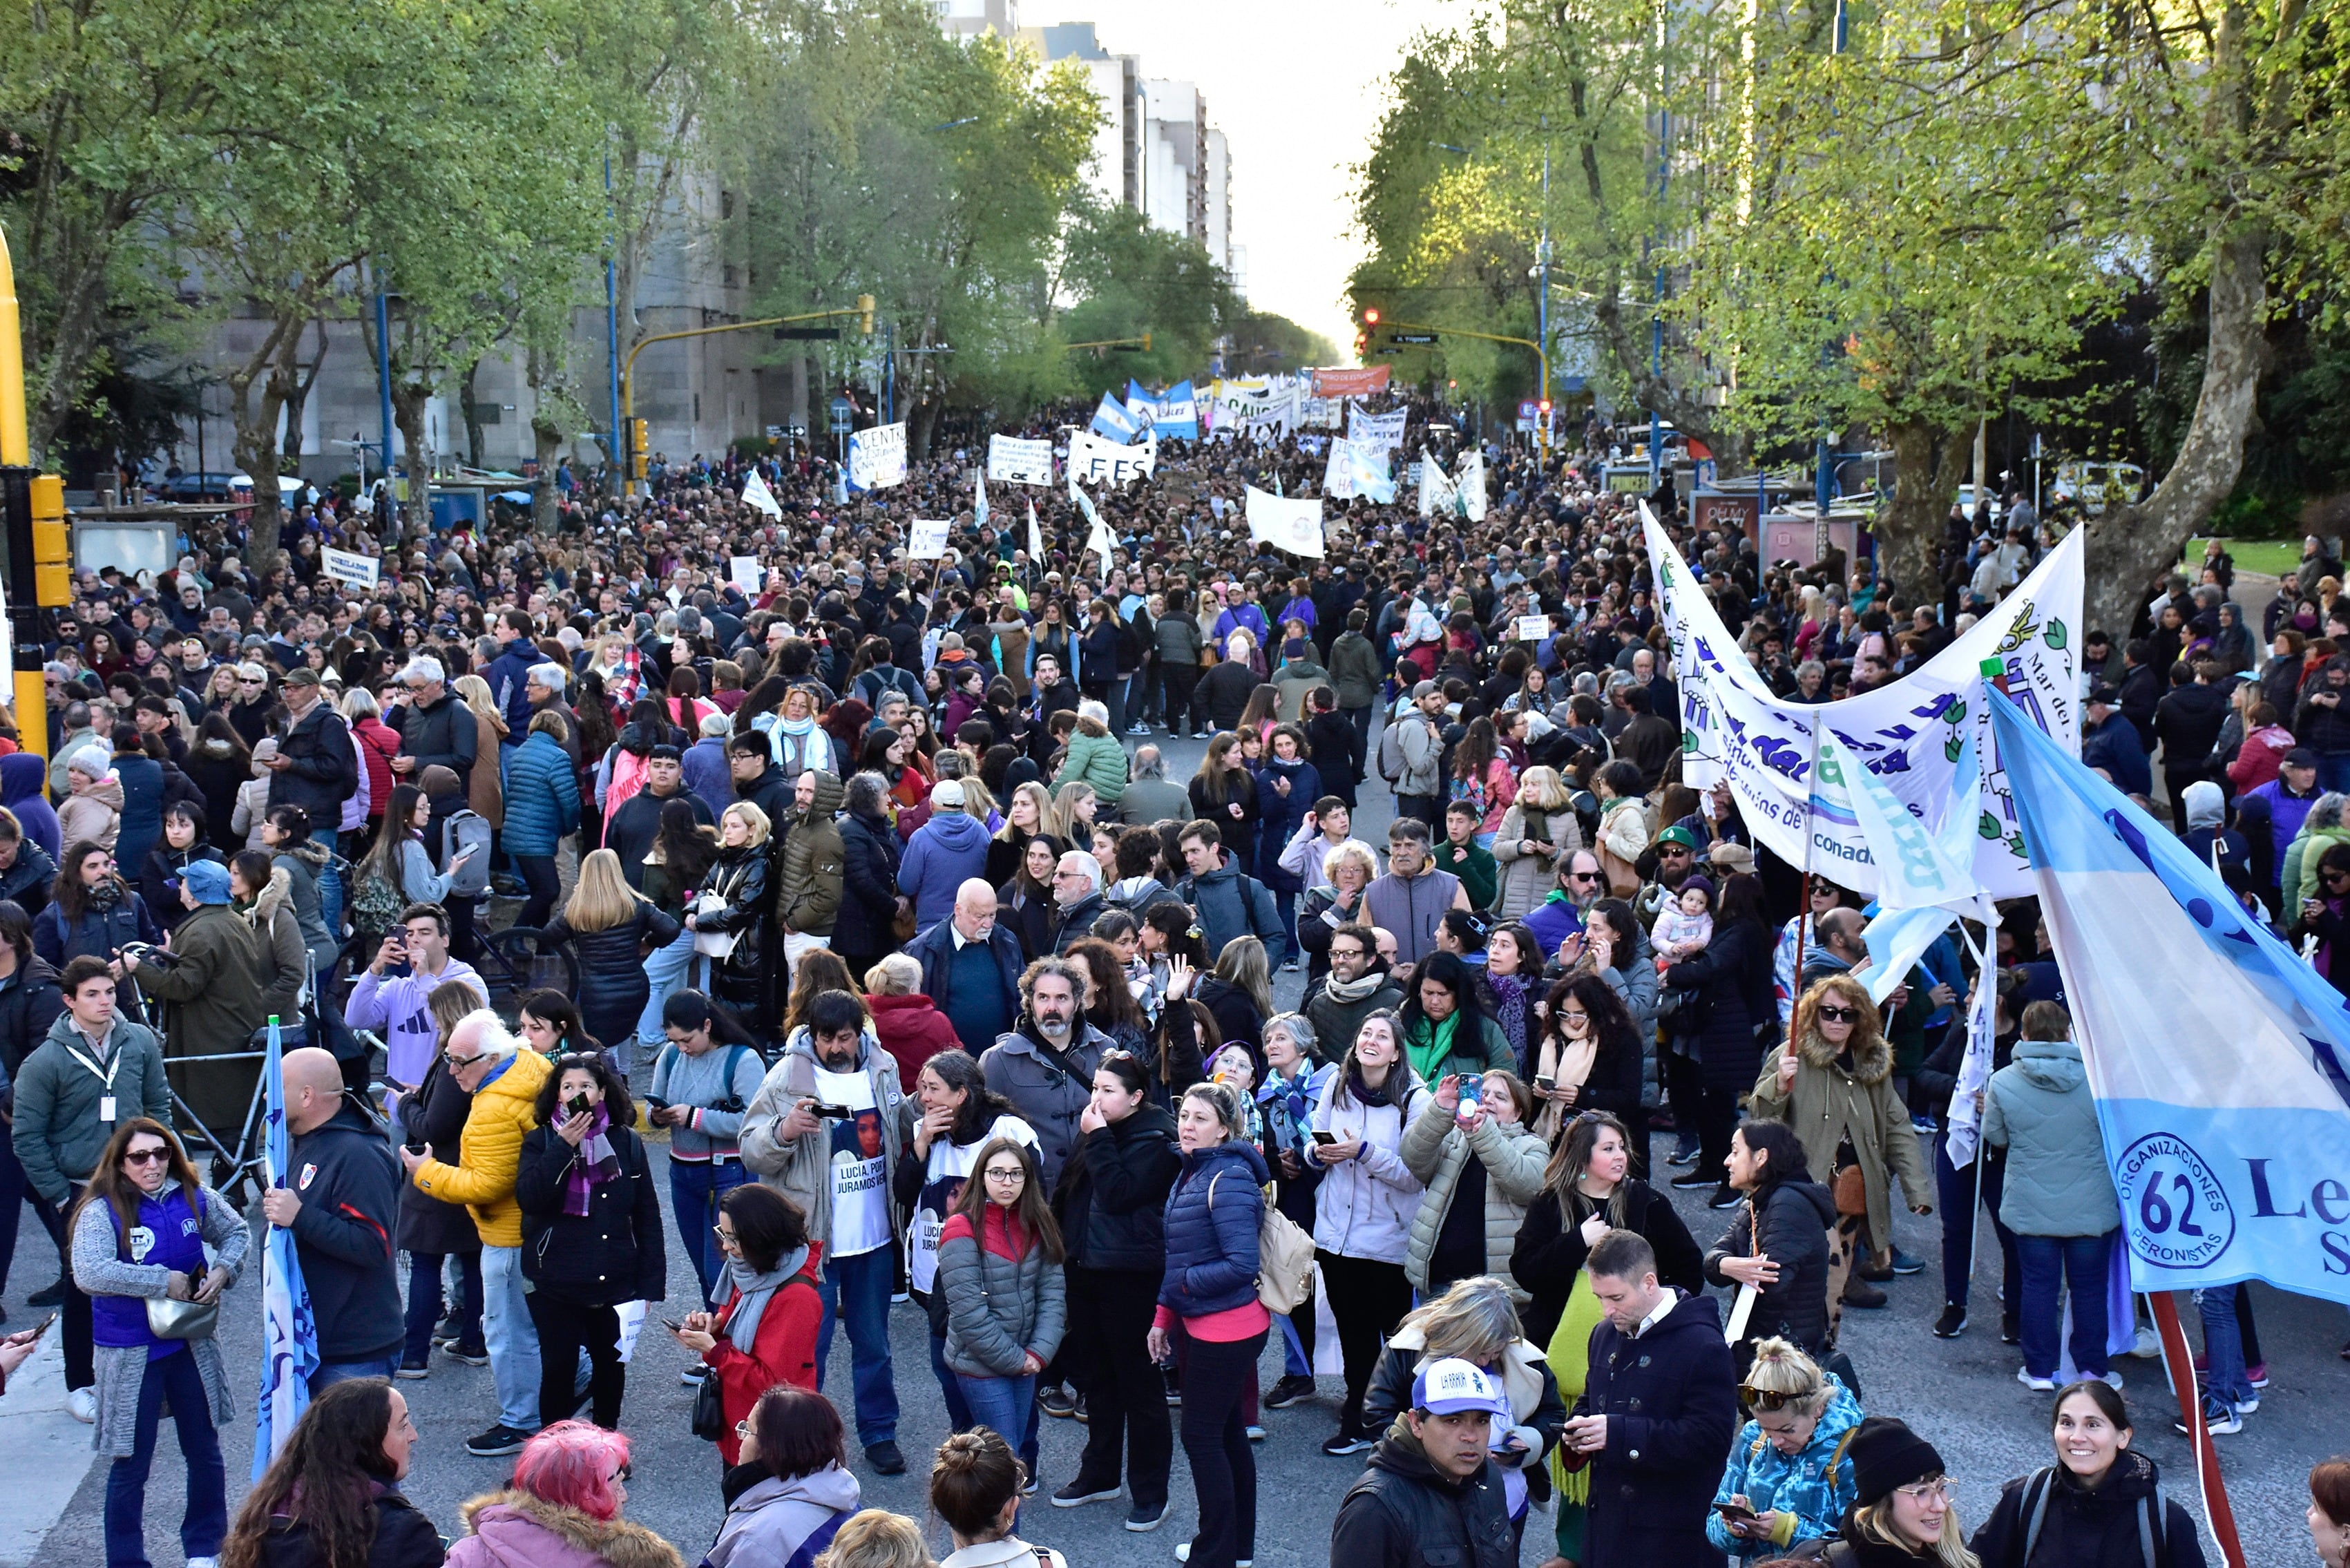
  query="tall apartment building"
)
[{"x": 1155, "y": 150}]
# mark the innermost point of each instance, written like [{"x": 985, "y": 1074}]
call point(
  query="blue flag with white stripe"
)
[
  {"x": 2217, "y": 1056},
  {"x": 1111, "y": 419},
  {"x": 289, "y": 1335}
]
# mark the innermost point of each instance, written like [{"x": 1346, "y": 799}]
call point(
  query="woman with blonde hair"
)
[
  {"x": 1476, "y": 1321},
  {"x": 1789, "y": 1474},
  {"x": 610, "y": 926},
  {"x": 1076, "y": 803},
  {"x": 875, "y": 1538},
  {"x": 1346, "y": 870},
  {"x": 1028, "y": 814},
  {"x": 1835, "y": 1087},
  {"x": 1535, "y": 831},
  {"x": 1903, "y": 1509},
  {"x": 483, "y": 791},
  {"x": 730, "y": 918}
]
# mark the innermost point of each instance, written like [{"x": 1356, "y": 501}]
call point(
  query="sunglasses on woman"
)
[
  {"x": 146, "y": 1156},
  {"x": 1765, "y": 1399},
  {"x": 1840, "y": 1014}
]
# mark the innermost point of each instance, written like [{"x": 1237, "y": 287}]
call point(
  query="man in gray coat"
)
[{"x": 823, "y": 1131}]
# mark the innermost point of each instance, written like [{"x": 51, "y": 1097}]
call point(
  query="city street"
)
[{"x": 1961, "y": 1394}]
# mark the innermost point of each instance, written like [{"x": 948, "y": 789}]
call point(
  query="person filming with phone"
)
[{"x": 394, "y": 991}]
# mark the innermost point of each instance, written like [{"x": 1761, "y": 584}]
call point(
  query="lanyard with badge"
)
[{"x": 106, "y": 1079}]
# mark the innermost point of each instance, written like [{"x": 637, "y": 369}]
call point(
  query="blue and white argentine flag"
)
[
  {"x": 2217, "y": 1057},
  {"x": 289, "y": 1338}
]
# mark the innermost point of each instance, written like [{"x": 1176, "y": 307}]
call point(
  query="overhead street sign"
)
[
  {"x": 1412, "y": 336},
  {"x": 809, "y": 334}
]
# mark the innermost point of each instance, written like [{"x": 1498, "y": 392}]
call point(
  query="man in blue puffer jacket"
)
[{"x": 944, "y": 853}]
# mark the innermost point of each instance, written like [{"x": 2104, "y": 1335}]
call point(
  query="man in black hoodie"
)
[
  {"x": 1429, "y": 1493},
  {"x": 340, "y": 1197},
  {"x": 757, "y": 779}
]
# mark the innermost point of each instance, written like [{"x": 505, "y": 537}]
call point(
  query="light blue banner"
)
[
  {"x": 2216, "y": 1055},
  {"x": 1111, "y": 419},
  {"x": 1179, "y": 412}
]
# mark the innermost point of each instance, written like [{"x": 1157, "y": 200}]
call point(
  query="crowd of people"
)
[{"x": 895, "y": 936}]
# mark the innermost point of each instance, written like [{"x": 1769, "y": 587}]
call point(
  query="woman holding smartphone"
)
[{"x": 592, "y": 1232}]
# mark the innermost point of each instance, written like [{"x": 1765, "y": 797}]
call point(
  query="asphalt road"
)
[{"x": 1961, "y": 1394}]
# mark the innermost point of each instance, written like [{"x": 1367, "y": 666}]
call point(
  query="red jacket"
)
[
  {"x": 379, "y": 743},
  {"x": 2260, "y": 756},
  {"x": 783, "y": 1352},
  {"x": 913, "y": 1030}
]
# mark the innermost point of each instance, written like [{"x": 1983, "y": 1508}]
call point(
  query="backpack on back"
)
[
  {"x": 1391, "y": 758},
  {"x": 467, "y": 829}
]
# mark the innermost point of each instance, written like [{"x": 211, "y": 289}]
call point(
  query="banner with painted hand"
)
[
  {"x": 1910, "y": 733},
  {"x": 1285, "y": 525},
  {"x": 2218, "y": 1060},
  {"x": 876, "y": 457},
  {"x": 1099, "y": 462},
  {"x": 1011, "y": 460},
  {"x": 1384, "y": 431}
]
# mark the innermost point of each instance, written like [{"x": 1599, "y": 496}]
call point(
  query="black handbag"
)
[{"x": 709, "y": 1410}]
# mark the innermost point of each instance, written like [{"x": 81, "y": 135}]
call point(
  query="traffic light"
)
[
  {"x": 639, "y": 449},
  {"x": 865, "y": 314},
  {"x": 1146, "y": 343},
  {"x": 39, "y": 562},
  {"x": 1371, "y": 317},
  {"x": 1545, "y": 406}
]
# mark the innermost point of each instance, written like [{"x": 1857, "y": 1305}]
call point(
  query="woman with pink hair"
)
[{"x": 570, "y": 1482}]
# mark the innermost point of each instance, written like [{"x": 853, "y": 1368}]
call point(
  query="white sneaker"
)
[
  {"x": 2148, "y": 1344},
  {"x": 82, "y": 1405},
  {"x": 2114, "y": 1381},
  {"x": 203, "y": 1562},
  {"x": 1183, "y": 1555},
  {"x": 2037, "y": 1385}
]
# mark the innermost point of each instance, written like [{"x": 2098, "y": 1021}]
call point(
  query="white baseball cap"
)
[{"x": 1450, "y": 1385}]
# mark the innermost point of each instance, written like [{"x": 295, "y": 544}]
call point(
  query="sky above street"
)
[{"x": 1297, "y": 87}]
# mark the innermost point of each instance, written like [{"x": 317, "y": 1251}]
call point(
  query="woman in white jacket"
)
[{"x": 1364, "y": 1208}]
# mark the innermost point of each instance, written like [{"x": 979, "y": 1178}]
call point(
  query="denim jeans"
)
[
  {"x": 666, "y": 969},
  {"x": 1287, "y": 904},
  {"x": 2333, "y": 772},
  {"x": 856, "y": 1293},
  {"x": 330, "y": 889},
  {"x": 204, "y": 1522},
  {"x": 2223, "y": 1345},
  {"x": 512, "y": 1336},
  {"x": 1009, "y": 1405},
  {"x": 425, "y": 1302},
  {"x": 2051, "y": 1263},
  {"x": 330, "y": 1372},
  {"x": 959, "y": 1416},
  {"x": 1956, "y": 1190},
  {"x": 1141, "y": 694},
  {"x": 694, "y": 1188}
]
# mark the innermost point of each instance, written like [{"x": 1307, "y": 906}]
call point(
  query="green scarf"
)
[{"x": 1430, "y": 1045}]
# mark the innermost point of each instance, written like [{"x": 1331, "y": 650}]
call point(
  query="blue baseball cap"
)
[{"x": 208, "y": 880}]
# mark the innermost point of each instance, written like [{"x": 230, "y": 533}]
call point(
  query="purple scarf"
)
[{"x": 598, "y": 1163}]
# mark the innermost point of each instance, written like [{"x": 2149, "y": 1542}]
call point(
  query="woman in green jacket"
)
[{"x": 1094, "y": 757}]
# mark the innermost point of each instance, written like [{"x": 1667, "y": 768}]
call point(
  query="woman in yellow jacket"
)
[{"x": 488, "y": 1063}]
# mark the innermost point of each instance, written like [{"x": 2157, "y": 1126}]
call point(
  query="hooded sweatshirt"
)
[
  {"x": 2038, "y": 1108},
  {"x": 21, "y": 778}
]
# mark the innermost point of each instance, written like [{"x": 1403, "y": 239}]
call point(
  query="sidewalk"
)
[{"x": 49, "y": 1453}]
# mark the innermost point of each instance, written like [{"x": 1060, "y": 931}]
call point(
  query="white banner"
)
[
  {"x": 876, "y": 457},
  {"x": 1011, "y": 460},
  {"x": 351, "y": 566},
  {"x": 1469, "y": 477},
  {"x": 1036, "y": 538},
  {"x": 1384, "y": 431},
  {"x": 744, "y": 570},
  {"x": 926, "y": 540},
  {"x": 1292, "y": 525},
  {"x": 1912, "y": 733},
  {"x": 756, "y": 494},
  {"x": 1438, "y": 496},
  {"x": 1356, "y": 470},
  {"x": 1098, "y": 462}
]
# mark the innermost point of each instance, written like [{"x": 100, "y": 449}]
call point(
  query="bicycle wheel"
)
[{"x": 520, "y": 960}]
